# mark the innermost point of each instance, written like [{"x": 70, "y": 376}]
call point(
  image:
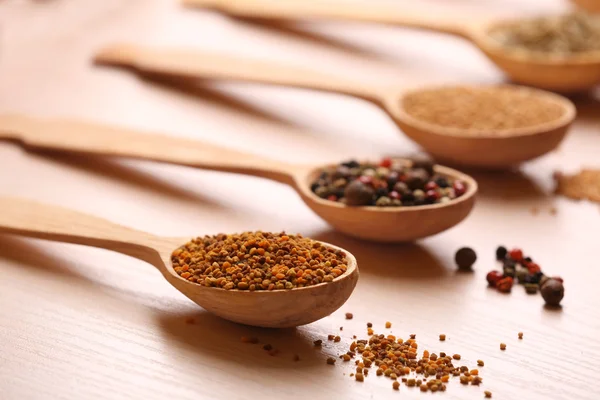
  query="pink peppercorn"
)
[
  {"x": 533, "y": 268},
  {"x": 504, "y": 285},
  {"x": 394, "y": 195},
  {"x": 493, "y": 277},
  {"x": 367, "y": 180},
  {"x": 516, "y": 254},
  {"x": 459, "y": 188},
  {"x": 432, "y": 195},
  {"x": 431, "y": 185},
  {"x": 386, "y": 162}
]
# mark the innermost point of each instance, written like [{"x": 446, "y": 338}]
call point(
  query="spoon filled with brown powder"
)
[{"x": 479, "y": 126}]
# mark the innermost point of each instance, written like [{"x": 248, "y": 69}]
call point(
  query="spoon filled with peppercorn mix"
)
[
  {"x": 559, "y": 53},
  {"x": 477, "y": 126},
  {"x": 254, "y": 278},
  {"x": 392, "y": 200}
]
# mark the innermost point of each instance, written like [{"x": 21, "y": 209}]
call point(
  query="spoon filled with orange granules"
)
[{"x": 255, "y": 278}]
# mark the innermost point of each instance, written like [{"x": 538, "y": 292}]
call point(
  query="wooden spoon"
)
[
  {"x": 274, "y": 309},
  {"x": 562, "y": 75},
  {"x": 387, "y": 224},
  {"x": 479, "y": 150}
]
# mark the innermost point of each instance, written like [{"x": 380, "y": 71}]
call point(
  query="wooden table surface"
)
[{"x": 81, "y": 323}]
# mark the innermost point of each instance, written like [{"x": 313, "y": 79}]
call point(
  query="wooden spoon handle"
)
[
  {"x": 36, "y": 220},
  {"x": 365, "y": 12},
  {"x": 198, "y": 64},
  {"x": 82, "y": 137}
]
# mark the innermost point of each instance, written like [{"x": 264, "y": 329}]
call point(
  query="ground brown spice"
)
[
  {"x": 493, "y": 110},
  {"x": 257, "y": 261},
  {"x": 584, "y": 185}
]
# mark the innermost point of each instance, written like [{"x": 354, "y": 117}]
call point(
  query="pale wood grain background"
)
[{"x": 78, "y": 323}]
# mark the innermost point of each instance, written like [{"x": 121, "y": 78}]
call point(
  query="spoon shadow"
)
[
  {"x": 203, "y": 334},
  {"x": 511, "y": 185},
  {"x": 588, "y": 107},
  {"x": 112, "y": 169},
  {"x": 402, "y": 261},
  {"x": 197, "y": 88},
  {"x": 23, "y": 252}
]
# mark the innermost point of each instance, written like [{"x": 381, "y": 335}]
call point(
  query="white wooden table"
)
[{"x": 80, "y": 323}]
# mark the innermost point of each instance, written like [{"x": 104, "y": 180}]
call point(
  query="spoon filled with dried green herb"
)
[
  {"x": 255, "y": 278},
  {"x": 478, "y": 126},
  {"x": 560, "y": 53},
  {"x": 364, "y": 200}
]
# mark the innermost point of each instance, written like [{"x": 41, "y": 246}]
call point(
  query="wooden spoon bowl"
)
[
  {"x": 571, "y": 74},
  {"x": 487, "y": 149},
  {"x": 272, "y": 309},
  {"x": 479, "y": 150},
  {"x": 389, "y": 224}
]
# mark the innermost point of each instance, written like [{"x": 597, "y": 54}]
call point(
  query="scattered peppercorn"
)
[
  {"x": 480, "y": 363},
  {"x": 369, "y": 325},
  {"x": 488, "y": 394},
  {"x": 318, "y": 343},
  {"x": 442, "y": 337},
  {"x": 501, "y": 253},
  {"x": 505, "y": 284},
  {"x": 330, "y": 337},
  {"x": 396, "y": 385},
  {"x": 520, "y": 335},
  {"x": 390, "y": 183},
  {"x": 388, "y": 325},
  {"x": 502, "y": 346},
  {"x": 349, "y": 315},
  {"x": 359, "y": 377},
  {"x": 493, "y": 277},
  {"x": 465, "y": 258},
  {"x": 528, "y": 273},
  {"x": 337, "y": 339},
  {"x": 553, "y": 292},
  {"x": 258, "y": 261},
  {"x": 330, "y": 360},
  {"x": 456, "y": 356}
]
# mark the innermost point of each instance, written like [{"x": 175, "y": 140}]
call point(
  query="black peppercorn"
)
[
  {"x": 351, "y": 164},
  {"x": 553, "y": 292},
  {"x": 424, "y": 163},
  {"x": 442, "y": 182},
  {"x": 341, "y": 172},
  {"x": 465, "y": 258},
  {"x": 381, "y": 192},
  {"x": 359, "y": 194},
  {"x": 509, "y": 263},
  {"x": 509, "y": 271},
  {"x": 501, "y": 252},
  {"x": 402, "y": 188},
  {"x": 392, "y": 179},
  {"x": 528, "y": 259},
  {"x": 417, "y": 178}
]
